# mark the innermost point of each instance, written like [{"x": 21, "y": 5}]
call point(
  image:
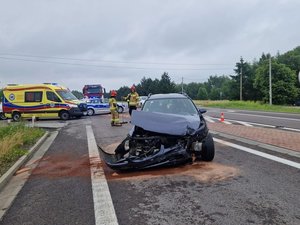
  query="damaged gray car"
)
[{"x": 169, "y": 130}]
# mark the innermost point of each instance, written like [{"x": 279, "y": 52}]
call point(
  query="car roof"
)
[{"x": 167, "y": 96}]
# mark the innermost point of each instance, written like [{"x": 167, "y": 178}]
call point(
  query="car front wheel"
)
[
  {"x": 208, "y": 148},
  {"x": 90, "y": 112},
  {"x": 120, "y": 109}
]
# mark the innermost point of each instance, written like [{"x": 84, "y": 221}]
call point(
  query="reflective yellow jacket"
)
[
  {"x": 133, "y": 98},
  {"x": 112, "y": 104}
]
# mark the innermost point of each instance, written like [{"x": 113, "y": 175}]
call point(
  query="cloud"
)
[{"x": 131, "y": 39}]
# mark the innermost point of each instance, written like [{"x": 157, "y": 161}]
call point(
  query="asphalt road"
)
[
  {"x": 236, "y": 188},
  {"x": 270, "y": 118}
]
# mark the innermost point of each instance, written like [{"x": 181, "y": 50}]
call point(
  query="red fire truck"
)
[{"x": 93, "y": 91}]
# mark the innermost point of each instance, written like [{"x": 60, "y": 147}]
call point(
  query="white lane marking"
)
[
  {"x": 209, "y": 119},
  {"x": 103, "y": 206},
  {"x": 258, "y": 124},
  {"x": 270, "y": 117},
  {"x": 291, "y": 129},
  {"x": 258, "y": 153},
  {"x": 245, "y": 124}
]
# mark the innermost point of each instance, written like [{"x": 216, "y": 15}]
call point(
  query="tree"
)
[
  {"x": 165, "y": 84},
  {"x": 192, "y": 90},
  {"x": 284, "y": 90},
  {"x": 202, "y": 93},
  {"x": 77, "y": 94},
  {"x": 122, "y": 92},
  {"x": 247, "y": 71},
  {"x": 218, "y": 84},
  {"x": 292, "y": 60}
]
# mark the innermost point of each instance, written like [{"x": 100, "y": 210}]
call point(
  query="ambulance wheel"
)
[
  {"x": 90, "y": 112},
  {"x": 2, "y": 116},
  {"x": 16, "y": 116},
  {"x": 64, "y": 115}
]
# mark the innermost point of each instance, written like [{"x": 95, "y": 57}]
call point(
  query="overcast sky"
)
[{"x": 117, "y": 42}]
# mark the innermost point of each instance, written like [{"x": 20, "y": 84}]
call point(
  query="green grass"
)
[
  {"x": 248, "y": 105},
  {"x": 15, "y": 141}
]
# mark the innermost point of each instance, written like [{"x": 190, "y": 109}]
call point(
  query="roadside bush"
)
[{"x": 15, "y": 140}]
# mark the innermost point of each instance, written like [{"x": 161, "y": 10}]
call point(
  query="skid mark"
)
[
  {"x": 201, "y": 171},
  {"x": 61, "y": 166}
]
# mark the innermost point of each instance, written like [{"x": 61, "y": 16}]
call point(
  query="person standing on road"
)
[
  {"x": 115, "y": 121},
  {"x": 133, "y": 98}
]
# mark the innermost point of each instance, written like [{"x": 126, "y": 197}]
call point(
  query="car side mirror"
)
[{"x": 202, "y": 111}]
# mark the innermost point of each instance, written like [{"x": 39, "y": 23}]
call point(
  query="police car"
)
[{"x": 101, "y": 106}]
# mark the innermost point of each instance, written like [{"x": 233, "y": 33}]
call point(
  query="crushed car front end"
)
[{"x": 158, "y": 139}]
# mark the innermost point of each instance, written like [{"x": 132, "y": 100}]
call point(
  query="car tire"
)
[
  {"x": 120, "y": 109},
  {"x": 2, "y": 116},
  {"x": 90, "y": 112},
  {"x": 64, "y": 115},
  {"x": 16, "y": 116},
  {"x": 208, "y": 149}
]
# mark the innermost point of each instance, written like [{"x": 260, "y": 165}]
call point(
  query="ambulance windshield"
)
[{"x": 66, "y": 95}]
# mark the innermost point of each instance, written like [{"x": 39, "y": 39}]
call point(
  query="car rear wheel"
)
[
  {"x": 16, "y": 116},
  {"x": 120, "y": 109},
  {"x": 64, "y": 115},
  {"x": 208, "y": 148},
  {"x": 90, "y": 112}
]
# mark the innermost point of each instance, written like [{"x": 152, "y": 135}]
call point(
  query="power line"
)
[
  {"x": 114, "y": 61},
  {"x": 106, "y": 66}
]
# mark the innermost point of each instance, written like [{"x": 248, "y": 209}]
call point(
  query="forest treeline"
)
[{"x": 255, "y": 81}]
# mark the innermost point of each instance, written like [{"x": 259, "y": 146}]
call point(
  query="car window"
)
[
  {"x": 33, "y": 96},
  {"x": 52, "y": 96},
  {"x": 179, "y": 106}
]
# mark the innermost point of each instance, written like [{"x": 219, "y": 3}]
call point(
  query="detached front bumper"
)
[{"x": 174, "y": 155}]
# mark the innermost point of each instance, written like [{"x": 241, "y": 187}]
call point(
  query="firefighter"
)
[
  {"x": 115, "y": 121},
  {"x": 133, "y": 98}
]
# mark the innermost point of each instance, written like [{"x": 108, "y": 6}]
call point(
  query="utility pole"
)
[
  {"x": 241, "y": 80},
  {"x": 270, "y": 80},
  {"x": 182, "y": 85}
]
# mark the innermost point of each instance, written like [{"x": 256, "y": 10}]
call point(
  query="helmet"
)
[
  {"x": 132, "y": 88},
  {"x": 113, "y": 93}
]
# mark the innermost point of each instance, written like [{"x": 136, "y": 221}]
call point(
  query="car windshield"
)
[
  {"x": 178, "y": 106},
  {"x": 94, "y": 90},
  {"x": 66, "y": 95}
]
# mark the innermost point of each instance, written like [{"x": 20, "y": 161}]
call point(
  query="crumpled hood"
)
[{"x": 165, "y": 123}]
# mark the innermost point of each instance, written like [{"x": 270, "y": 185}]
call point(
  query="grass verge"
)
[
  {"x": 15, "y": 141},
  {"x": 248, "y": 105}
]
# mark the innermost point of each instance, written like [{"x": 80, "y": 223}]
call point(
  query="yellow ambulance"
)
[{"x": 47, "y": 100}]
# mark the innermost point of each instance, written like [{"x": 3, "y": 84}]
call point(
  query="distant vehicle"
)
[
  {"x": 46, "y": 100},
  {"x": 93, "y": 91},
  {"x": 297, "y": 103},
  {"x": 101, "y": 106},
  {"x": 142, "y": 100}
]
